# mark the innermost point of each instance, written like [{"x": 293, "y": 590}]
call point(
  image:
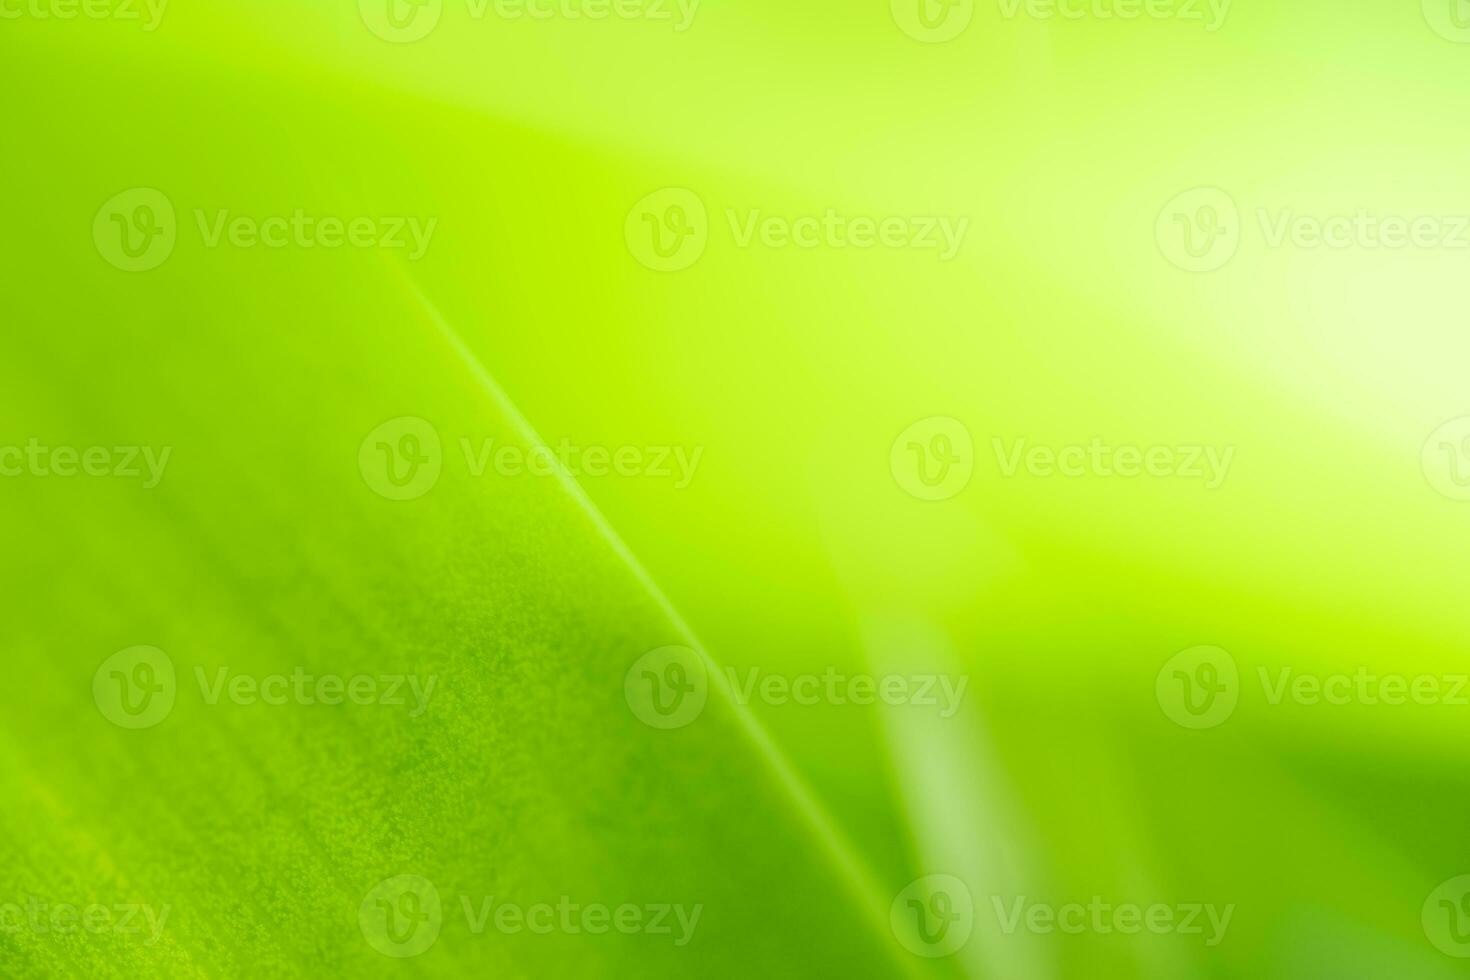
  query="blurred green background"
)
[{"x": 1334, "y": 542}]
